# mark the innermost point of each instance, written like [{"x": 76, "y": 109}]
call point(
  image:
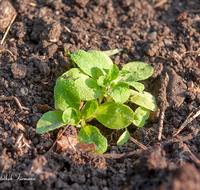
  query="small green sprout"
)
[{"x": 104, "y": 91}]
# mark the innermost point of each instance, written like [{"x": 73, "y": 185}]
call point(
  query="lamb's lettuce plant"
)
[{"x": 105, "y": 93}]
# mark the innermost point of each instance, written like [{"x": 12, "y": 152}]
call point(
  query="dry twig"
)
[
  {"x": 117, "y": 156},
  {"x": 186, "y": 151},
  {"x": 11, "y": 98},
  {"x": 138, "y": 143},
  {"x": 163, "y": 103},
  {"x": 193, "y": 30},
  {"x": 7, "y": 30},
  {"x": 160, "y": 3},
  {"x": 180, "y": 138},
  {"x": 6, "y": 50},
  {"x": 187, "y": 121},
  {"x": 68, "y": 30},
  {"x": 193, "y": 11}
]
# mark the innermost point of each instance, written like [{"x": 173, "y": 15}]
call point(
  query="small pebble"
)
[
  {"x": 24, "y": 91},
  {"x": 113, "y": 152},
  {"x": 152, "y": 35},
  {"x": 168, "y": 42},
  {"x": 18, "y": 70},
  {"x": 57, "y": 12}
]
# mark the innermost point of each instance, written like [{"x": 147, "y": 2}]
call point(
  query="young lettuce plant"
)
[{"x": 102, "y": 89}]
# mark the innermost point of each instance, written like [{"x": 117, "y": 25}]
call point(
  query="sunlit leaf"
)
[
  {"x": 140, "y": 116},
  {"x": 114, "y": 115},
  {"x": 90, "y": 134},
  {"x": 72, "y": 93},
  {"x": 66, "y": 94},
  {"x": 120, "y": 92},
  {"x": 103, "y": 60},
  {"x": 137, "y": 85},
  {"x": 89, "y": 108},
  {"x": 70, "y": 113},
  {"x": 123, "y": 138},
  {"x": 88, "y": 89},
  {"x": 112, "y": 74},
  {"x": 91, "y": 62},
  {"x": 143, "y": 99},
  {"x": 50, "y": 121},
  {"x": 101, "y": 81},
  {"x": 73, "y": 73},
  {"x": 136, "y": 71}
]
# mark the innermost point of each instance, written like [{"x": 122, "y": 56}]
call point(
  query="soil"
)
[{"x": 164, "y": 35}]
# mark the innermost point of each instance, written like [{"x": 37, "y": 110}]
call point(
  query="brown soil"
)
[{"x": 166, "y": 36}]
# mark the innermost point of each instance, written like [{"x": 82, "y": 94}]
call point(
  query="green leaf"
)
[
  {"x": 123, "y": 138},
  {"x": 89, "y": 108},
  {"x": 137, "y": 85},
  {"x": 49, "y": 121},
  {"x": 70, "y": 113},
  {"x": 143, "y": 99},
  {"x": 120, "y": 92},
  {"x": 140, "y": 116},
  {"x": 114, "y": 115},
  {"x": 101, "y": 81},
  {"x": 73, "y": 73},
  {"x": 88, "y": 89},
  {"x": 104, "y": 61},
  {"x": 96, "y": 73},
  {"x": 90, "y": 134},
  {"x": 84, "y": 60},
  {"x": 113, "y": 52},
  {"x": 91, "y": 62},
  {"x": 113, "y": 73},
  {"x": 62, "y": 101},
  {"x": 66, "y": 94},
  {"x": 123, "y": 73},
  {"x": 136, "y": 71},
  {"x": 72, "y": 93}
]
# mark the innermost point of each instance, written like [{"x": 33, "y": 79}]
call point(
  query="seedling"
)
[{"x": 105, "y": 93}]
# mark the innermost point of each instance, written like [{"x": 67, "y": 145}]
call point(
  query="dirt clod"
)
[
  {"x": 18, "y": 70},
  {"x": 47, "y": 29},
  {"x": 5, "y": 163},
  {"x": 6, "y": 13},
  {"x": 176, "y": 89}
]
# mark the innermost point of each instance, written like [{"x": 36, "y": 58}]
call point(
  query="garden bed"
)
[{"x": 166, "y": 35}]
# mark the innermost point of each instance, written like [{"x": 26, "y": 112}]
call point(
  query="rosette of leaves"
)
[{"x": 103, "y": 88}]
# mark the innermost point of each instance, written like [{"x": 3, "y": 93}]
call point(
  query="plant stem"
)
[
  {"x": 100, "y": 100},
  {"x": 83, "y": 123}
]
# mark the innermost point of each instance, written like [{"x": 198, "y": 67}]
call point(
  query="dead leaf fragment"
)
[
  {"x": 44, "y": 107},
  {"x": 66, "y": 142},
  {"x": 20, "y": 126},
  {"x": 72, "y": 142},
  {"x": 86, "y": 147}
]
